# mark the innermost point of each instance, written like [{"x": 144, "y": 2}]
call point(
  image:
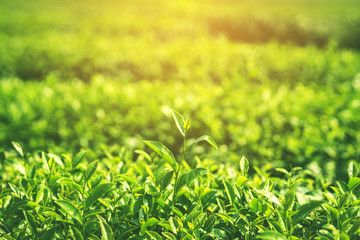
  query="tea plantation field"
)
[{"x": 156, "y": 119}]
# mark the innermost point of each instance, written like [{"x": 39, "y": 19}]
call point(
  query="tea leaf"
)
[
  {"x": 190, "y": 176},
  {"x": 353, "y": 169},
  {"x": 187, "y": 124},
  {"x": 97, "y": 193},
  {"x": 149, "y": 223},
  {"x": 46, "y": 159},
  {"x": 32, "y": 171},
  {"x": 244, "y": 165},
  {"x": 154, "y": 235},
  {"x": 179, "y": 120},
  {"x": 163, "y": 151},
  {"x": 305, "y": 210},
  {"x": 355, "y": 228},
  {"x": 169, "y": 235},
  {"x": 78, "y": 158},
  {"x": 49, "y": 233},
  {"x": 167, "y": 179},
  {"x": 106, "y": 231},
  {"x": 77, "y": 233},
  {"x": 70, "y": 209},
  {"x": 144, "y": 154},
  {"x": 18, "y": 148},
  {"x": 229, "y": 191},
  {"x": 32, "y": 223},
  {"x": 199, "y": 220},
  {"x": 172, "y": 225},
  {"x": 271, "y": 235},
  {"x": 204, "y": 138},
  {"x": 343, "y": 200},
  {"x": 289, "y": 200},
  {"x": 330, "y": 198},
  {"x": 225, "y": 217},
  {"x": 91, "y": 169},
  {"x": 354, "y": 183},
  {"x": 129, "y": 180}
]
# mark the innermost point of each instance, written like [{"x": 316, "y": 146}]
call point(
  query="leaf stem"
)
[
  {"x": 83, "y": 205},
  {"x": 178, "y": 170}
]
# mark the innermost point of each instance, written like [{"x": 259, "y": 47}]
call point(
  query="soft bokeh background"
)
[{"x": 277, "y": 81}]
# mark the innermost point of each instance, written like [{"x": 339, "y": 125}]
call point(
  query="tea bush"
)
[
  {"x": 82, "y": 85},
  {"x": 132, "y": 43},
  {"x": 298, "y": 126},
  {"x": 159, "y": 196}
]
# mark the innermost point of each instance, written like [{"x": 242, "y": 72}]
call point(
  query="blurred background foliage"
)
[{"x": 277, "y": 81}]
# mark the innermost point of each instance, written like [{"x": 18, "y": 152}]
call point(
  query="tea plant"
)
[
  {"x": 45, "y": 196},
  {"x": 285, "y": 100}
]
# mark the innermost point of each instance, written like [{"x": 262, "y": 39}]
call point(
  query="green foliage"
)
[
  {"x": 278, "y": 84},
  {"x": 293, "y": 105},
  {"x": 123, "y": 198}
]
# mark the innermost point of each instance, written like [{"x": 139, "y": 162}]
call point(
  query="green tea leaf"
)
[
  {"x": 48, "y": 234},
  {"x": 241, "y": 180},
  {"x": 70, "y": 182},
  {"x": 208, "y": 197},
  {"x": 15, "y": 189},
  {"x": 32, "y": 223},
  {"x": 289, "y": 200},
  {"x": 149, "y": 171},
  {"x": 169, "y": 235},
  {"x": 204, "y": 138},
  {"x": 164, "y": 206},
  {"x": 106, "y": 231},
  {"x": 154, "y": 235},
  {"x": 180, "y": 121},
  {"x": 199, "y": 221},
  {"x": 342, "y": 186},
  {"x": 282, "y": 170},
  {"x": 167, "y": 179},
  {"x": 343, "y": 200},
  {"x": 210, "y": 222},
  {"x": 70, "y": 209},
  {"x": 353, "y": 169},
  {"x": 163, "y": 151},
  {"x": 187, "y": 124},
  {"x": 91, "y": 169},
  {"x": 149, "y": 223},
  {"x": 355, "y": 228},
  {"x": 78, "y": 158},
  {"x": 354, "y": 183},
  {"x": 46, "y": 159},
  {"x": 129, "y": 180},
  {"x": 225, "y": 217},
  {"x": 190, "y": 217},
  {"x": 255, "y": 205},
  {"x": 144, "y": 154},
  {"x": 271, "y": 196},
  {"x": 97, "y": 193},
  {"x": 271, "y": 235},
  {"x": 230, "y": 192},
  {"x": 244, "y": 165},
  {"x": 190, "y": 176},
  {"x": 172, "y": 225},
  {"x": 330, "y": 198},
  {"x": 106, "y": 203},
  {"x": 305, "y": 210},
  {"x": 177, "y": 212},
  {"x": 18, "y": 148},
  {"x": 77, "y": 233},
  {"x": 277, "y": 226},
  {"x": 53, "y": 215}
]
